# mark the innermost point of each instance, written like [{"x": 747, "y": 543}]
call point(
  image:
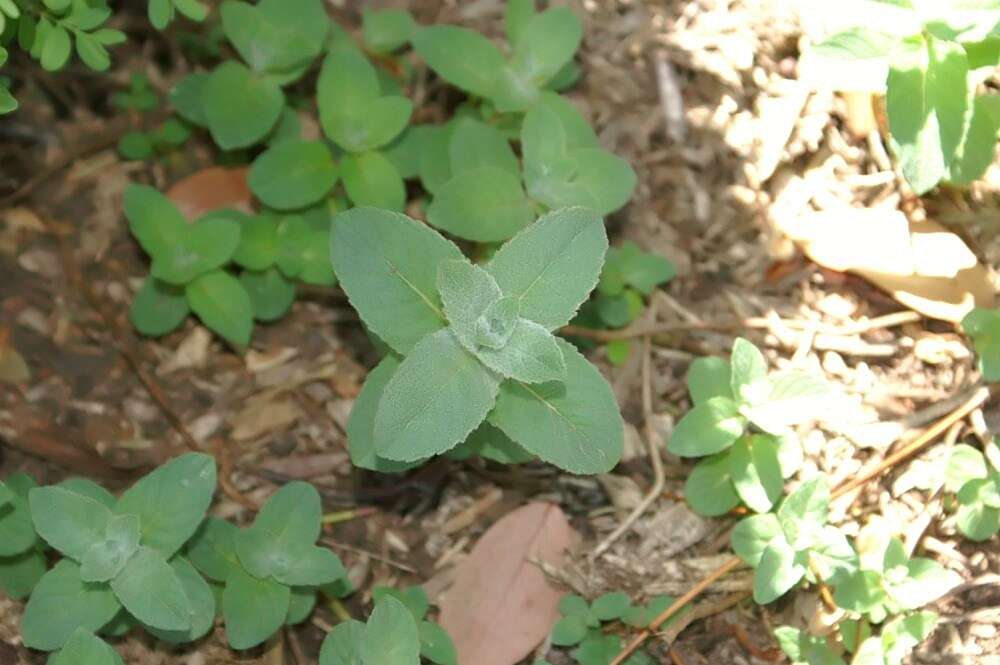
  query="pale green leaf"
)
[
  {"x": 151, "y": 591},
  {"x": 439, "y": 394},
  {"x": 361, "y": 424},
  {"x": 85, "y": 648},
  {"x": 212, "y": 549},
  {"x": 804, "y": 512},
  {"x": 68, "y": 521},
  {"x": 548, "y": 42},
  {"x": 965, "y": 463},
  {"x": 105, "y": 558},
  {"x": 709, "y": 377},
  {"x": 778, "y": 571},
  {"x": 485, "y": 204},
  {"x": 436, "y": 645},
  {"x": 708, "y": 428},
  {"x": 371, "y": 180},
  {"x": 475, "y": 144},
  {"x": 61, "y": 603},
  {"x": 753, "y": 534},
  {"x": 238, "y": 125},
  {"x": 391, "y": 637},
  {"x": 200, "y": 604},
  {"x": 293, "y": 174},
  {"x": 17, "y": 533},
  {"x": 574, "y": 425},
  {"x": 926, "y": 581},
  {"x": 21, "y": 572},
  {"x": 222, "y": 304},
  {"x": 271, "y": 295},
  {"x": 552, "y": 265},
  {"x": 254, "y": 609},
  {"x": 478, "y": 70},
  {"x": 342, "y": 645},
  {"x": 709, "y": 487},
  {"x": 756, "y": 473}
]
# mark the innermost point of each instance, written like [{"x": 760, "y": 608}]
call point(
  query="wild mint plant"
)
[
  {"x": 22, "y": 557},
  {"x": 741, "y": 424},
  {"x": 975, "y": 480},
  {"x": 122, "y": 555},
  {"x": 476, "y": 341},
  {"x": 931, "y": 59},
  {"x": 794, "y": 543},
  {"x": 896, "y": 640},
  {"x": 50, "y": 30},
  {"x": 270, "y": 570},
  {"x": 583, "y": 626},
  {"x": 169, "y": 136},
  {"x": 889, "y": 582},
  {"x": 983, "y": 326}
]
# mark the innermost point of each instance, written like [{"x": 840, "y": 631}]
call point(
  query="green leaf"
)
[
  {"x": 303, "y": 250},
  {"x": 154, "y": 220},
  {"x": 200, "y": 604},
  {"x": 516, "y": 18},
  {"x": 548, "y": 42},
  {"x": 778, "y": 571},
  {"x": 347, "y": 83},
  {"x": 301, "y": 605},
  {"x": 574, "y": 425},
  {"x": 755, "y": 471},
  {"x": 574, "y": 604},
  {"x": 387, "y": 263},
  {"x": 392, "y": 637},
  {"x": 853, "y": 60},
  {"x": 531, "y": 355},
  {"x": 434, "y": 167},
  {"x": 926, "y": 581},
  {"x": 271, "y": 295},
  {"x": 20, "y": 573},
  {"x": 485, "y": 204},
  {"x": 595, "y": 178},
  {"x": 17, "y": 533},
  {"x": 439, "y": 394},
  {"x": 61, "y": 603},
  {"x": 490, "y": 443},
  {"x": 926, "y": 103},
  {"x": 475, "y": 144},
  {"x": 293, "y": 174},
  {"x": 240, "y": 125},
  {"x": 752, "y": 536},
  {"x": 342, "y": 645},
  {"x": 68, "y": 521},
  {"x": 171, "y": 501},
  {"x": 136, "y": 146},
  {"x": 258, "y": 248},
  {"x": 413, "y": 597},
  {"x": 85, "y": 648},
  {"x": 709, "y": 377},
  {"x": 222, "y": 304},
  {"x": 611, "y": 606},
  {"x": 161, "y": 13},
  {"x": 804, "y": 512},
  {"x": 387, "y": 30},
  {"x": 91, "y": 489},
  {"x": 709, "y": 487},
  {"x": 276, "y": 35},
  {"x": 56, "y": 49},
  {"x": 479, "y": 70},
  {"x": 569, "y": 630},
  {"x": 289, "y": 520},
  {"x": 92, "y": 52},
  {"x": 629, "y": 266},
  {"x": 749, "y": 371},
  {"x": 436, "y": 645},
  {"x": 361, "y": 424},
  {"x": 151, "y": 591},
  {"x": 552, "y": 265},
  {"x": 254, "y": 609},
  {"x": 186, "y": 98},
  {"x": 371, "y": 180},
  {"x": 205, "y": 245},
  {"x": 861, "y": 592},
  {"x": 192, "y": 9},
  {"x": 787, "y": 398},
  {"x": 212, "y": 549},
  {"x": 902, "y": 634},
  {"x": 832, "y": 557},
  {"x": 977, "y": 521},
  {"x": 381, "y": 121},
  {"x": 708, "y": 428},
  {"x": 159, "y": 308},
  {"x": 983, "y": 325},
  {"x": 965, "y": 463},
  {"x": 467, "y": 293},
  {"x": 406, "y": 151},
  {"x": 104, "y": 559},
  {"x": 978, "y": 146}
]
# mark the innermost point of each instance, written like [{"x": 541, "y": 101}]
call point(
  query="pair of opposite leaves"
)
[{"x": 477, "y": 341}]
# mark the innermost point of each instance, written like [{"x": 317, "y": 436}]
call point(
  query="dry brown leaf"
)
[
  {"x": 923, "y": 265},
  {"x": 501, "y": 605},
  {"x": 256, "y": 419},
  {"x": 211, "y": 189}
]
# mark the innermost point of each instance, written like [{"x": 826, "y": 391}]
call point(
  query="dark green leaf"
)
[{"x": 158, "y": 308}]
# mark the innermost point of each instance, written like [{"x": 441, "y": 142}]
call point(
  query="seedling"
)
[
  {"x": 139, "y": 96},
  {"x": 889, "y": 582},
  {"x": 390, "y": 637},
  {"x": 270, "y": 570},
  {"x": 582, "y": 626},
  {"x": 975, "y": 479},
  {"x": 476, "y": 341},
  {"x": 929, "y": 58},
  {"x": 121, "y": 554},
  {"x": 898, "y": 638},
  {"x": 794, "y": 543},
  {"x": 22, "y": 560},
  {"x": 144, "y": 145},
  {"x": 162, "y": 12},
  {"x": 435, "y": 644},
  {"x": 741, "y": 423},
  {"x": 983, "y": 325}
]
